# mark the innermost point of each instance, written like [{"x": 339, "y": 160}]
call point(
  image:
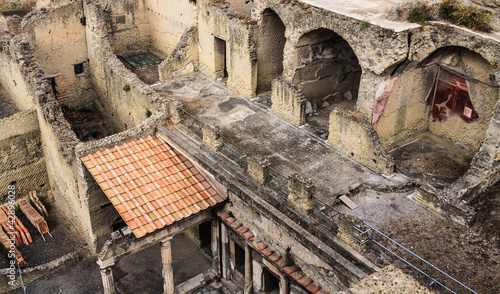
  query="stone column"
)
[
  {"x": 226, "y": 257},
  {"x": 248, "y": 270},
  {"x": 215, "y": 246},
  {"x": 284, "y": 286},
  {"x": 301, "y": 192},
  {"x": 257, "y": 276},
  {"x": 166, "y": 260},
  {"x": 107, "y": 280}
]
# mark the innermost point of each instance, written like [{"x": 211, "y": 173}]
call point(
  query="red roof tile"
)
[{"x": 141, "y": 176}]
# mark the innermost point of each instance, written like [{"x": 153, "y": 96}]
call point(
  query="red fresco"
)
[{"x": 450, "y": 92}]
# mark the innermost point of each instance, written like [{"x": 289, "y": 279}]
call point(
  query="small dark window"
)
[
  {"x": 120, "y": 19},
  {"x": 78, "y": 68}
]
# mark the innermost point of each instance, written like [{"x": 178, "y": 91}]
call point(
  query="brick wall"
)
[{"x": 21, "y": 154}]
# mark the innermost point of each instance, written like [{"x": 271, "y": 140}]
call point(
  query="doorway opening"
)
[
  {"x": 271, "y": 283},
  {"x": 220, "y": 58},
  {"x": 205, "y": 235}
]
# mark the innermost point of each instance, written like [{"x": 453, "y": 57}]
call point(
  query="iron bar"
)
[{"x": 431, "y": 280}]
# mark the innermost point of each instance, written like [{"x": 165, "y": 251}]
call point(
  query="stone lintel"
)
[{"x": 124, "y": 247}]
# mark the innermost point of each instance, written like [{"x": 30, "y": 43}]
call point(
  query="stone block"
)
[
  {"x": 301, "y": 193},
  {"x": 257, "y": 169},
  {"x": 211, "y": 137}
]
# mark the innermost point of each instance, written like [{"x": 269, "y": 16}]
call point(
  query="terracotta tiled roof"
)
[
  {"x": 275, "y": 257},
  {"x": 150, "y": 184}
]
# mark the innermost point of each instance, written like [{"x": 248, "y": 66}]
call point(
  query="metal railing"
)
[
  {"x": 325, "y": 212},
  {"x": 278, "y": 182},
  {"x": 192, "y": 123},
  {"x": 235, "y": 152},
  {"x": 433, "y": 270}
]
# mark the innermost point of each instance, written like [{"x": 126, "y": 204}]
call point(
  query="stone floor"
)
[
  {"x": 289, "y": 149},
  {"x": 428, "y": 158}
]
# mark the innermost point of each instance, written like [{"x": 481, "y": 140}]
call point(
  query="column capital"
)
[{"x": 166, "y": 240}]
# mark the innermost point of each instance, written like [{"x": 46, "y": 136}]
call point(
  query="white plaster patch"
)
[{"x": 239, "y": 113}]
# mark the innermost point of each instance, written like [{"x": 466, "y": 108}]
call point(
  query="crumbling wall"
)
[
  {"x": 11, "y": 76},
  {"x": 15, "y": 5},
  {"x": 351, "y": 134},
  {"x": 368, "y": 43},
  {"x": 124, "y": 99},
  {"x": 127, "y": 22},
  {"x": 57, "y": 36},
  {"x": 484, "y": 170},
  {"x": 58, "y": 140},
  {"x": 21, "y": 155},
  {"x": 241, "y": 6},
  {"x": 271, "y": 42},
  {"x": 324, "y": 65},
  {"x": 238, "y": 54},
  {"x": 288, "y": 102},
  {"x": 183, "y": 59},
  {"x": 168, "y": 22}
]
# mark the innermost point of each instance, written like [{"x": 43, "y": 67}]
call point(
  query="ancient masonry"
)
[{"x": 83, "y": 117}]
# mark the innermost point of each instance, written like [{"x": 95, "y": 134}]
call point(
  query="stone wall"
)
[
  {"x": 51, "y": 3},
  {"x": 58, "y": 140},
  {"x": 225, "y": 47},
  {"x": 15, "y": 5},
  {"x": 11, "y": 76},
  {"x": 127, "y": 23},
  {"x": 288, "y": 102},
  {"x": 124, "y": 99},
  {"x": 352, "y": 134},
  {"x": 368, "y": 44},
  {"x": 183, "y": 59},
  {"x": 57, "y": 36},
  {"x": 406, "y": 113},
  {"x": 271, "y": 42},
  {"x": 168, "y": 22},
  {"x": 241, "y": 6},
  {"x": 324, "y": 65},
  {"x": 21, "y": 155}
]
